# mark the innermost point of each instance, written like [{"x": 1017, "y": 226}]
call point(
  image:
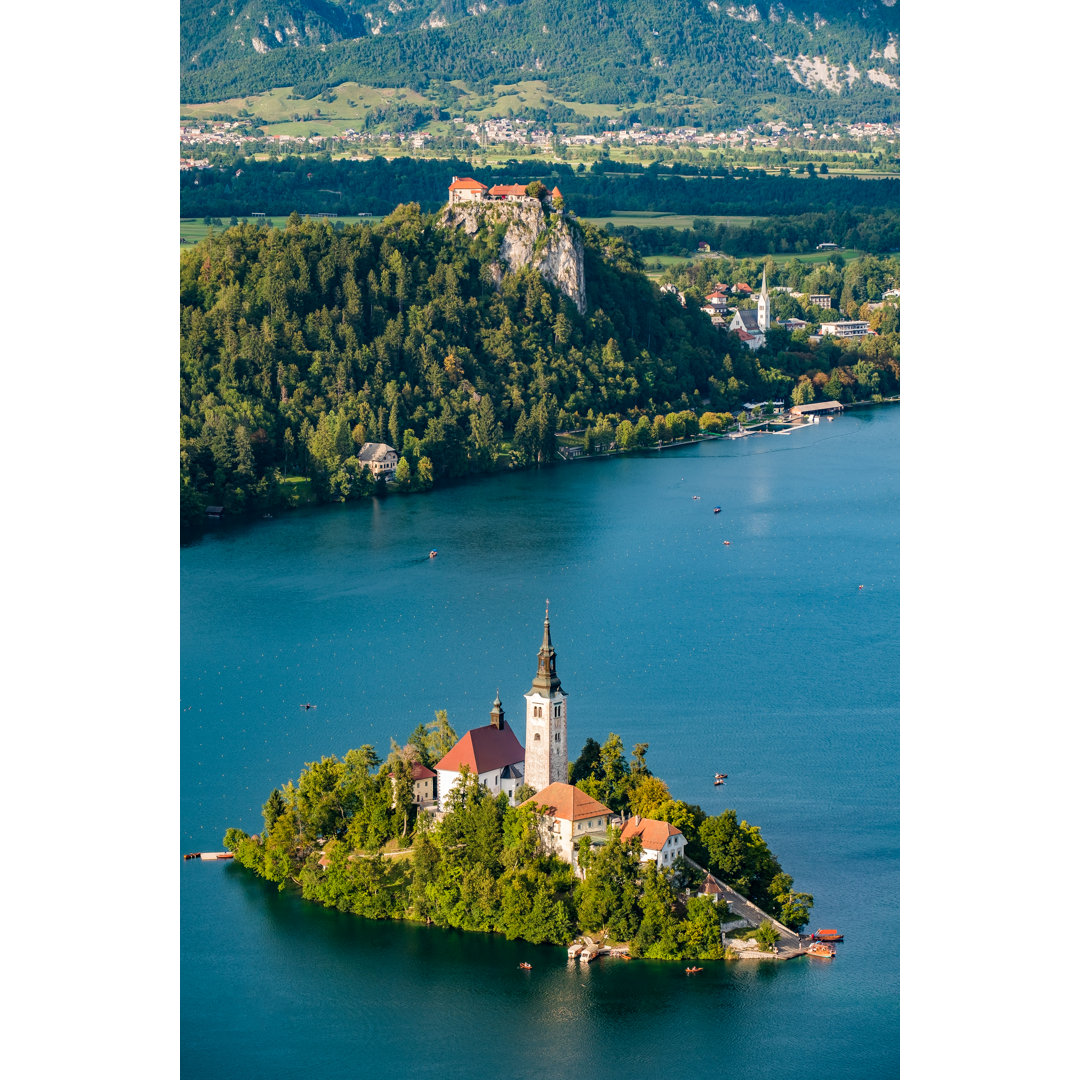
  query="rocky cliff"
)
[{"x": 544, "y": 240}]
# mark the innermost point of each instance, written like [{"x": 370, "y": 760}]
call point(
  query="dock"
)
[{"x": 209, "y": 855}]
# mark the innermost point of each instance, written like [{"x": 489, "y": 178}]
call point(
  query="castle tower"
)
[
  {"x": 763, "y": 306},
  {"x": 545, "y": 721}
]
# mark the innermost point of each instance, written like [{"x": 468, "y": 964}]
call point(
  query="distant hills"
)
[{"x": 827, "y": 60}]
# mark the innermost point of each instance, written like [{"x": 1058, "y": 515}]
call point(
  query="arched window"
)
[{"x": 536, "y": 737}]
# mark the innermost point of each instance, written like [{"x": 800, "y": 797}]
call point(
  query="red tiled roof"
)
[
  {"x": 507, "y": 189},
  {"x": 744, "y": 336},
  {"x": 466, "y": 183},
  {"x": 744, "y": 287},
  {"x": 420, "y": 772},
  {"x": 567, "y": 802},
  {"x": 710, "y": 886},
  {"x": 556, "y": 193},
  {"x": 654, "y": 834},
  {"x": 483, "y": 749}
]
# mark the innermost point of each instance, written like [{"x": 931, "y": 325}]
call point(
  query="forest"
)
[
  {"x": 336, "y": 831},
  {"x": 313, "y": 185},
  {"x": 300, "y": 344},
  {"x": 622, "y": 52}
]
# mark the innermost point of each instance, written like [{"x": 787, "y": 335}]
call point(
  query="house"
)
[
  {"x": 514, "y": 192},
  {"x": 566, "y": 815},
  {"x": 465, "y": 189},
  {"x": 378, "y": 458},
  {"x": 793, "y": 324},
  {"x": 661, "y": 842},
  {"x": 710, "y": 889},
  {"x": 820, "y": 300},
  {"x": 891, "y": 294},
  {"x": 847, "y": 328},
  {"x": 827, "y": 246},
  {"x": 492, "y": 752},
  {"x": 743, "y": 288},
  {"x": 423, "y": 784}
]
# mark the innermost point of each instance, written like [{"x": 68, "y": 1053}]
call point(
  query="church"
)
[
  {"x": 493, "y": 752},
  {"x": 751, "y": 325}
]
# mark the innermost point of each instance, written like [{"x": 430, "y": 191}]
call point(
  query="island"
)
[{"x": 482, "y": 833}]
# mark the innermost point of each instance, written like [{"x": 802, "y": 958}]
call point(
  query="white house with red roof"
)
[
  {"x": 661, "y": 842},
  {"x": 492, "y": 752},
  {"x": 466, "y": 189},
  {"x": 566, "y": 815}
]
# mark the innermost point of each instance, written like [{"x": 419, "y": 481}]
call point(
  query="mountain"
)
[{"x": 610, "y": 51}]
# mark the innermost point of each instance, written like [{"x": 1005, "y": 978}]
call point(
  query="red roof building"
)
[
  {"x": 503, "y": 191},
  {"x": 492, "y": 752},
  {"x": 660, "y": 841},
  {"x": 567, "y": 814},
  {"x": 465, "y": 189}
]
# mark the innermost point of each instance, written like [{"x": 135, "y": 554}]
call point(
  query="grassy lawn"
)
[
  {"x": 297, "y": 490},
  {"x": 652, "y": 219},
  {"x": 192, "y": 230}
]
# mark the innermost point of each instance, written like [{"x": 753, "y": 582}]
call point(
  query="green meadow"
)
[{"x": 192, "y": 230}]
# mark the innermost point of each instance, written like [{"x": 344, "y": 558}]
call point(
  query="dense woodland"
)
[
  {"x": 482, "y": 867},
  {"x": 313, "y": 185},
  {"x": 624, "y": 52},
  {"x": 299, "y": 345}
]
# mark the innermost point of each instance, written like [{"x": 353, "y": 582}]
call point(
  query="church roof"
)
[
  {"x": 654, "y": 834},
  {"x": 546, "y": 681},
  {"x": 567, "y": 802},
  {"x": 483, "y": 749}
]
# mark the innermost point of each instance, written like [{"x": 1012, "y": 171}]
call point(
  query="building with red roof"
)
[
  {"x": 423, "y": 784},
  {"x": 506, "y": 191},
  {"x": 661, "y": 842},
  {"x": 566, "y": 814},
  {"x": 466, "y": 189},
  {"x": 492, "y": 752}
]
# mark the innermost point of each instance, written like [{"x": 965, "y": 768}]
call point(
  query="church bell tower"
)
[
  {"x": 763, "y": 311},
  {"x": 545, "y": 721}
]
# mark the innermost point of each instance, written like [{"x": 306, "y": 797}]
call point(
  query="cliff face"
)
[{"x": 546, "y": 242}]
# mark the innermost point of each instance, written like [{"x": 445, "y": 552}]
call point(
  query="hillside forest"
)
[{"x": 300, "y": 344}]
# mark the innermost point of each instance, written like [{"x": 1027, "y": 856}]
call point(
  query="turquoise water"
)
[{"x": 763, "y": 659}]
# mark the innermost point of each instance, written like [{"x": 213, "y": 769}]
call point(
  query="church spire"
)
[
  {"x": 497, "y": 718},
  {"x": 546, "y": 681},
  {"x": 763, "y": 310}
]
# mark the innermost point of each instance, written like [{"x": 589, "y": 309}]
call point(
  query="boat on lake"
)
[
  {"x": 693, "y": 970},
  {"x": 431, "y": 554},
  {"x": 827, "y": 935},
  {"x": 820, "y": 948},
  {"x": 525, "y": 967}
]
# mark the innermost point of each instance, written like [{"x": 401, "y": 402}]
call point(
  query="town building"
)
[
  {"x": 492, "y": 752},
  {"x": 793, "y": 324},
  {"x": 378, "y": 458},
  {"x": 546, "y": 760},
  {"x": 749, "y": 325},
  {"x": 661, "y": 842},
  {"x": 823, "y": 300},
  {"x": 566, "y": 815},
  {"x": 846, "y": 328},
  {"x": 710, "y": 889}
]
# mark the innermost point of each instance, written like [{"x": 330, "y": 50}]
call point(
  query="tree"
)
[
  {"x": 403, "y": 474},
  {"x": 767, "y": 936}
]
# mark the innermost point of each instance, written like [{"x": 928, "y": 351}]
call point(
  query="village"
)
[{"x": 512, "y": 133}]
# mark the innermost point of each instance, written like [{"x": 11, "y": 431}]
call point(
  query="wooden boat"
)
[
  {"x": 827, "y": 935},
  {"x": 693, "y": 970},
  {"x": 716, "y": 509},
  {"x": 820, "y": 948},
  {"x": 727, "y": 543},
  {"x": 525, "y": 967}
]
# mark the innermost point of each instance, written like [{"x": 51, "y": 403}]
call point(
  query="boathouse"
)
[{"x": 817, "y": 407}]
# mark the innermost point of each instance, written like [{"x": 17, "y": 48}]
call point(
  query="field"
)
[
  {"x": 192, "y": 230},
  {"x": 648, "y": 219}
]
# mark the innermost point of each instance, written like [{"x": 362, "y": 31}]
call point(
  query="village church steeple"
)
[
  {"x": 763, "y": 312},
  {"x": 545, "y": 720}
]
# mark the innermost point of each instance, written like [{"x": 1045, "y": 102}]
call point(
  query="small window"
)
[{"x": 536, "y": 737}]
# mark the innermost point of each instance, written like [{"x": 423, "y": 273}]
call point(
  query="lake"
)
[{"x": 763, "y": 659}]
